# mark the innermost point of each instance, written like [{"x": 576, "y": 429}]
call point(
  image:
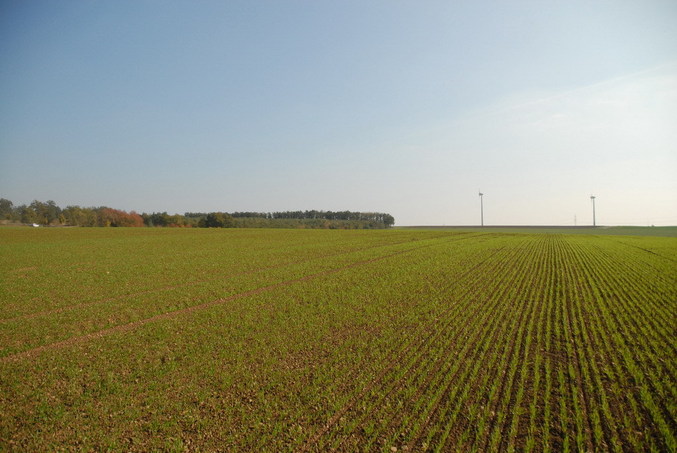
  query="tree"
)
[
  {"x": 388, "y": 220},
  {"x": 217, "y": 220},
  {"x": 77, "y": 216},
  {"x": 6, "y": 209},
  {"x": 49, "y": 214},
  {"x": 160, "y": 219},
  {"x": 116, "y": 218},
  {"x": 27, "y": 214},
  {"x": 45, "y": 213}
]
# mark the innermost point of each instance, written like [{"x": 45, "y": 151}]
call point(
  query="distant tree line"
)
[{"x": 48, "y": 213}]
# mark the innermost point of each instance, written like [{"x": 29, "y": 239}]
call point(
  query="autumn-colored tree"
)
[
  {"x": 116, "y": 218},
  {"x": 50, "y": 214}
]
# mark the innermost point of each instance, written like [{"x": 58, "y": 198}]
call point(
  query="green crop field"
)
[{"x": 317, "y": 340}]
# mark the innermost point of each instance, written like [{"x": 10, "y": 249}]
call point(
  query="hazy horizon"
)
[{"x": 398, "y": 107}]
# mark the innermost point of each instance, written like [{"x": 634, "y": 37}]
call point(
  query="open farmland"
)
[{"x": 294, "y": 340}]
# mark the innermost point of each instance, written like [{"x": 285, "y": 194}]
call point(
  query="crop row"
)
[{"x": 351, "y": 342}]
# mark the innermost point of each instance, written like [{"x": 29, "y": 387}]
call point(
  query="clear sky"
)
[{"x": 405, "y": 107}]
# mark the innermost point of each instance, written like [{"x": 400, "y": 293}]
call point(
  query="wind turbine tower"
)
[
  {"x": 481, "y": 209},
  {"x": 592, "y": 197}
]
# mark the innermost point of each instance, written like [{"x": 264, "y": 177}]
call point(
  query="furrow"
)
[
  {"x": 628, "y": 328},
  {"x": 426, "y": 379},
  {"x": 454, "y": 390},
  {"x": 626, "y": 279},
  {"x": 513, "y": 394},
  {"x": 409, "y": 354},
  {"x": 575, "y": 372},
  {"x": 633, "y": 298},
  {"x": 605, "y": 434},
  {"x": 612, "y": 326},
  {"x": 531, "y": 428}
]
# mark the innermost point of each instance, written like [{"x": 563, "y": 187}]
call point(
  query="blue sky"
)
[{"x": 392, "y": 106}]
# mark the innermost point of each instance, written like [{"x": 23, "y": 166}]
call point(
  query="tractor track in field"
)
[
  {"x": 171, "y": 314},
  {"x": 100, "y": 301},
  {"x": 410, "y": 349},
  {"x": 218, "y": 278},
  {"x": 627, "y": 244}
]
